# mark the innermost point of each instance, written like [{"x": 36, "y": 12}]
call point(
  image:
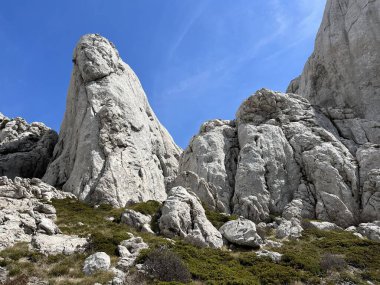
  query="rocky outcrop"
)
[
  {"x": 343, "y": 71},
  {"x": 287, "y": 160},
  {"x": 111, "y": 147},
  {"x": 25, "y": 149},
  {"x": 25, "y": 214},
  {"x": 183, "y": 216}
]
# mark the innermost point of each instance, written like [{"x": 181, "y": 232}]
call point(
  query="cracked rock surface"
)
[
  {"x": 111, "y": 147},
  {"x": 343, "y": 71},
  {"x": 25, "y": 149},
  {"x": 287, "y": 160},
  {"x": 184, "y": 216},
  {"x": 27, "y": 216}
]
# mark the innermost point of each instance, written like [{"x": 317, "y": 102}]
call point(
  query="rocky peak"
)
[
  {"x": 343, "y": 70},
  {"x": 111, "y": 147}
]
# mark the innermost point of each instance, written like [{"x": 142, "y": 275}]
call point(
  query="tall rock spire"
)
[{"x": 111, "y": 147}]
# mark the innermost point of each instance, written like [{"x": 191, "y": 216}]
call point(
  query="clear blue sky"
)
[{"x": 197, "y": 59}]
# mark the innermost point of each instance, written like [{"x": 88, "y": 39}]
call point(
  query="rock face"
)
[
  {"x": 25, "y": 215},
  {"x": 280, "y": 156},
  {"x": 111, "y": 146},
  {"x": 25, "y": 149},
  {"x": 184, "y": 216},
  {"x": 343, "y": 71}
]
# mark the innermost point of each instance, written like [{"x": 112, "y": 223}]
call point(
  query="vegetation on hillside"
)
[{"x": 332, "y": 256}]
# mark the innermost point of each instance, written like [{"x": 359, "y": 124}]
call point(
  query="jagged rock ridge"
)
[
  {"x": 25, "y": 149},
  {"x": 111, "y": 147}
]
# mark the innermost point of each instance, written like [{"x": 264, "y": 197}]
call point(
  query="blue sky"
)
[{"x": 197, "y": 59}]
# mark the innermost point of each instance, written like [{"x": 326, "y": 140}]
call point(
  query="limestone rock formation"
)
[
  {"x": 24, "y": 213},
  {"x": 25, "y": 149},
  {"x": 184, "y": 216},
  {"x": 111, "y": 147},
  {"x": 208, "y": 165},
  {"x": 342, "y": 74},
  {"x": 343, "y": 71},
  {"x": 59, "y": 244},
  {"x": 281, "y": 156}
]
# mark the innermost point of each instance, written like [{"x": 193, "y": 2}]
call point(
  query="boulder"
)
[
  {"x": 99, "y": 261},
  {"x": 128, "y": 251},
  {"x": 25, "y": 149},
  {"x": 111, "y": 147},
  {"x": 324, "y": 226},
  {"x": 184, "y": 216},
  {"x": 370, "y": 230},
  {"x": 241, "y": 232},
  {"x": 59, "y": 244},
  {"x": 274, "y": 256},
  {"x": 290, "y": 229}
]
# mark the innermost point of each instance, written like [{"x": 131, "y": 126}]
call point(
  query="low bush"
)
[
  {"x": 218, "y": 219},
  {"x": 331, "y": 262},
  {"x": 165, "y": 265}
]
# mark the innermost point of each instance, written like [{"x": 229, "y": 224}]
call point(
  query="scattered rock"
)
[
  {"x": 129, "y": 250},
  {"x": 241, "y": 232},
  {"x": 111, "y": 148},
  {"x": 184, "y": 216},
  {"x": 24, "y": 209},
  {"x": 137, "y": 220},
  {"x": 370, "y": 230},
  {"x": 291, "y": 229},
  {"x": 324, "y": 226},
  {"x": 275, "y": 256},
  {"x": 99, "y": 261},
  {"x": 59, "y": 244}
]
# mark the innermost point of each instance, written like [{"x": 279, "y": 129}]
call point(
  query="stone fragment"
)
[{"x": 59, "y": 244}]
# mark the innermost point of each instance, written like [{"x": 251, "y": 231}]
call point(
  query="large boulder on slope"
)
[
  {"x": 25, "y": 149},
  {"x": 241, "y": 232},
  {"x": 183, "y": 216},
  {"x": 111, "y": 147}
]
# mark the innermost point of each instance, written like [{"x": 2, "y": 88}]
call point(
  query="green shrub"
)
[
  {"x": 218, "y": 219},
  {"x": 147, "y": 208},
  {"x": 165, "y": 265}
]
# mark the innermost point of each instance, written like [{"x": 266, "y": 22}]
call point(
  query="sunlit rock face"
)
[
  {"x": 287, "y": 160},
  {"x": 342, "y": 74},
  {"x": 343, "y": 71},
  {"x": 111, "y": 147}
]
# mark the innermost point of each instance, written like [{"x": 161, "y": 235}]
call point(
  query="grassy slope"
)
[{"x": 301, "y": 261}]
